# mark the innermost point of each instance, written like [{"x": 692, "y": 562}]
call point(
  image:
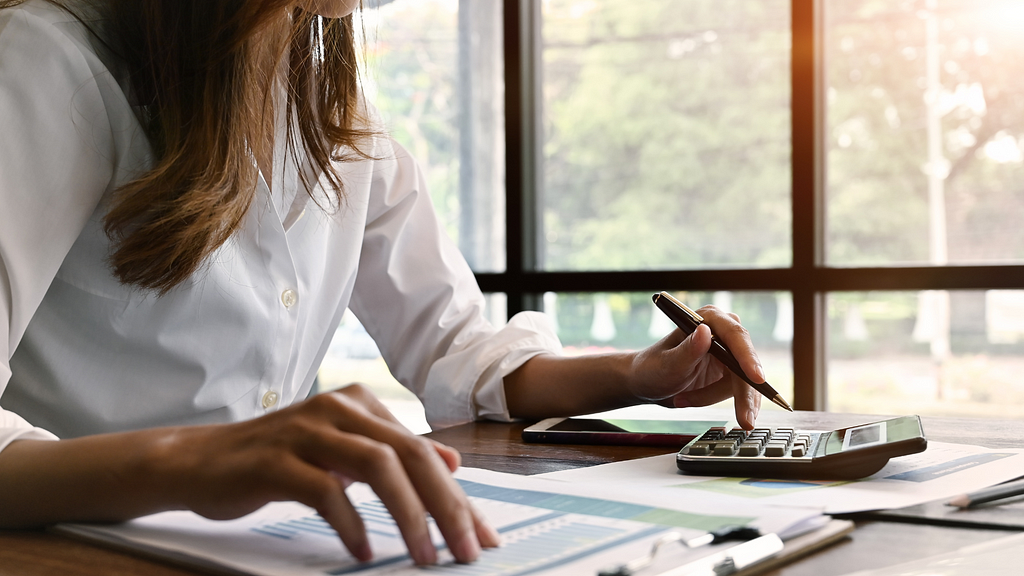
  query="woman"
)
[{"x": 193, "y": 193}]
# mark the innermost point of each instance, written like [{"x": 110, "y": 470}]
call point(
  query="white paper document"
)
[
  {"x": 547, "y": 527},
  {"x": 942, "y": 471}
]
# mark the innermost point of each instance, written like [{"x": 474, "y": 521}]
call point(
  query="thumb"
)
[
  {"x": 692, "y": 361},
  {"x": 694, "y": 346}
]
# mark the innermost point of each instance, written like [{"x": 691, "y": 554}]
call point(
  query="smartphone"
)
[
  {"x": 788, "y": 453},
  {"x": 671, "y": 433}
]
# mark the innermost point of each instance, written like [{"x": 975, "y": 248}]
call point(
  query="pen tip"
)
[{"x": 779, "y": 400}]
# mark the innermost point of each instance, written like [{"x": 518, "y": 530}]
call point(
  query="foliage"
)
[{"x": 666, "y": 134}]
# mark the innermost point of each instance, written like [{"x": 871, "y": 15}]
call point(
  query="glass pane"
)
[
  {"x": 666, "y": 134},
  {"x": 925, "y": 128},
  {"x": 956, "y": 353},
  {"x": 598, "y": 322},
  {"x": 435, "y": 72},
  {"x": 354, "y": 357}
]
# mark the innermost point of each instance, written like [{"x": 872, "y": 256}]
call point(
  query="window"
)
[
  {"x": 925, "y": 116},
  {"x": 847, "y": 175}
]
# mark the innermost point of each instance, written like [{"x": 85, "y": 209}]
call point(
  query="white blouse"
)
[{"x": 246, "y": 334}]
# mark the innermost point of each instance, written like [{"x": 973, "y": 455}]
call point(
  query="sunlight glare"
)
[{"x": 1007, "y": 16}]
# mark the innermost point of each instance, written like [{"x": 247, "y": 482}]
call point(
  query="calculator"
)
[{"x": 790, "y": 453}]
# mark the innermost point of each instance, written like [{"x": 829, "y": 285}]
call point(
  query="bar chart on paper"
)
[
  {"x": 543, "y": 532},
  {"x": 550, "y": 530}
]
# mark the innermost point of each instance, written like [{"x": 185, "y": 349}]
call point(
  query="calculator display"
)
[
  {"x": 865, "y": 435},
  {"x": 859, "y": 437}
]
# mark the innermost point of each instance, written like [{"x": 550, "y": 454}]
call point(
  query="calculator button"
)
[
  {"x": 750, "y": 449},
  {"x": 715, "y": 433},
  {"x": 700, "y": 449},
  {"x": 725, "y": 449},
  {"x": 798, "y": 450},
  {"x": 775, "y": 449}
]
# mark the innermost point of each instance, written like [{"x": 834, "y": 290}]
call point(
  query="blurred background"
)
[{"x": 664, "y": 143}]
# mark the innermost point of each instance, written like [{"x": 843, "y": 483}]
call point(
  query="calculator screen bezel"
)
[{"x": 904, "y": 429}]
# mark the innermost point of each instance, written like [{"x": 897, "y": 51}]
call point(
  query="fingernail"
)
[
  {"x": 760, "y": 373},
  {"x": 467, "y": 549},
  {"x": 427, "y": 554},
  {"x": 751, "y": 416},
  {"x": 493, "y": 537}
]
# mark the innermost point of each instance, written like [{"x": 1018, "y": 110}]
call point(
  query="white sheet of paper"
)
[
  {"x": 942, "y": 471},
  {"x": 549, "y": 526}
]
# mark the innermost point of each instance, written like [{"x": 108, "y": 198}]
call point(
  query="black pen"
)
[{"x": 688, "y": 320}]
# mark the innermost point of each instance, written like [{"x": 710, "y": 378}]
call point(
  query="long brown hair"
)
[{"x": 199, "y": 68}]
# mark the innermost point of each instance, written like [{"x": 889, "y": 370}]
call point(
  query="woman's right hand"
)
[{"x": 310, "y": 452}]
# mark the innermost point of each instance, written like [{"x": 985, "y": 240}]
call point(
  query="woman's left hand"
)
[{"x": 678, "y": 371}]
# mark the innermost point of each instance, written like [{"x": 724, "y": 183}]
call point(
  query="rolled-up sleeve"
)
[
  {"x": 418, "y": 298},
  {"x": 56, "y": 162}
]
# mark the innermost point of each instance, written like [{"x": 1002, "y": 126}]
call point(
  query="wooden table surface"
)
[{"x": 499, "y": 447}]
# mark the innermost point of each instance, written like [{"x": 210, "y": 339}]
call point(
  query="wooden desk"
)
[{"x": 498, "y": 447}]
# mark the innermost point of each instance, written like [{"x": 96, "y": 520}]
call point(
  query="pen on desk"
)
[
  {"x": 997, "y": 492},
  {"x": 688, "y": 320}
]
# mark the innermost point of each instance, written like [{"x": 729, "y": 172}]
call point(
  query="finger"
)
[
  {"x": 673, "y": 364},
  {"x": 706, "y": 395},
  {"x": 363, "y": 396},
  {"x": 485, "y": 533},
  {"x": 736, "y": 338},
  {"x": 747, "y": 405},
  {"x": 380, "y": 466},
  {"x": 410, "y": 477},
  {"x": 443, "y": 497},
  {"x": 321, "y": 491},
  {"x": 683, "y": 357},
  {"x": 450, "y": 455}
]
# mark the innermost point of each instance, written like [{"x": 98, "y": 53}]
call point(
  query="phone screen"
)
[{"x": 691, "y": 428}]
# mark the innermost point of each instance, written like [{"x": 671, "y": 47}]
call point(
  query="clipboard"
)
[
  {"x": 746, "y": 558},
  {"x": 803, "y": 545}
]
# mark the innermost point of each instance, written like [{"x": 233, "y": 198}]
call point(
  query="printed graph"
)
[
  {"x": 376, "y": 519},
  {"x": 552, "y": 530}
]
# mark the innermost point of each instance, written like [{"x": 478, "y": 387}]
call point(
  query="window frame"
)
[{"x": 809, "y": 280}]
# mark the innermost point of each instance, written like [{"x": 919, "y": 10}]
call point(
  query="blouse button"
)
[
  {"x": 270, "y": 399},
  {"x": 289, "y": 297}
]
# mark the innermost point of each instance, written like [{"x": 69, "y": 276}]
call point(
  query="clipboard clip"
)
[{"x": 720, "y": 535}]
